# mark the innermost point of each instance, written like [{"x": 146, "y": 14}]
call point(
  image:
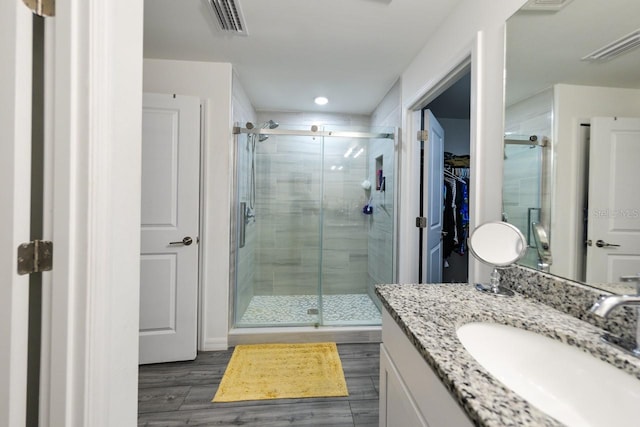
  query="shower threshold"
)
[{"x": 304, "y": 334}]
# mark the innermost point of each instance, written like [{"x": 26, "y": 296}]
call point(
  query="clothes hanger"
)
[{"x": 451, "y": 175}]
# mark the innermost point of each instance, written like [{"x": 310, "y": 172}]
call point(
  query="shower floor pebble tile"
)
[{"x": 348, "y": 308}]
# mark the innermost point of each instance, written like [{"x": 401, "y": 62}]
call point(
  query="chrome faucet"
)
[{"x": 605, "y": 304}]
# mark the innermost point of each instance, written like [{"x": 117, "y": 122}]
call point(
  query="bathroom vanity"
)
[
  {"x": 411, "y": 393},
  {"x": 427, "y": 376}
]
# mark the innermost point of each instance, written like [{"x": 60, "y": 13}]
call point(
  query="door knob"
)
[
  {"x": 603, "y": 244},
  {"x": 186, "y": 241}
]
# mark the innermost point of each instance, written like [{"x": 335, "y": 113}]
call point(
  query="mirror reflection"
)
[{"x": 572, "y": 139}]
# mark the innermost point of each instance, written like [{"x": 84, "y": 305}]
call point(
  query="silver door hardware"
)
[
  {"x": 421, "y": 222},
  {"x": 423, "y": 135},
  {"x": 635, "y": 278},
  {"x": 242, "y": 224},
  {"x": 603, "y": 244},
  {"x": 35, "y": 257},
  {"x": 186, "y": 242},
  {"x": 41, "y": 7}
]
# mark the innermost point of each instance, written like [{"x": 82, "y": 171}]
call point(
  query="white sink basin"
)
[{"x": 572, "y": 386}]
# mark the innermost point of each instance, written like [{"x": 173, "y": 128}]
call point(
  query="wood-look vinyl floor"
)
[{"x": 179, "y": 394}]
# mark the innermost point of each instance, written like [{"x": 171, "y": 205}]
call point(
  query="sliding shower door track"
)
[{"x": 311, "y": 132}]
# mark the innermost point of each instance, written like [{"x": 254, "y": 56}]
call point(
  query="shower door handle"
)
[
  {"x": 184, "y": 242},
  {"x": 242, "y": 224}
]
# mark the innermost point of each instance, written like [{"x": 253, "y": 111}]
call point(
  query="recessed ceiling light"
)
[{"x": 321, "y": 100}]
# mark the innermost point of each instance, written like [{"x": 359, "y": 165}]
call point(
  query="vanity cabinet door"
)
[
  {"x": 397, "y": 407},
  {"x": 411, "y": 394}
]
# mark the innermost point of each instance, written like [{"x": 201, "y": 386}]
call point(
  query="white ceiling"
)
[
  {"x": 546, "y": 48},
  {"x": 351, "y": 51}
]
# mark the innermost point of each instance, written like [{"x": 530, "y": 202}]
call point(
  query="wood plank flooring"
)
[{"x": 179, "y": 394}]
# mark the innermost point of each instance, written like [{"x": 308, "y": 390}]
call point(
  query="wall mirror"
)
[{"x": 572, "y": 138}]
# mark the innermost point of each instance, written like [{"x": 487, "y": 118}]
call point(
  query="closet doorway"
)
[{"x": 450, "y": 263}]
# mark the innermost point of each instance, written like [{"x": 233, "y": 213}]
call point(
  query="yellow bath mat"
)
[{"x": 279, "y": 371}]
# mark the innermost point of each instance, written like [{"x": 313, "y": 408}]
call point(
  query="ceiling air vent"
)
[
  {"x": 229, "y": 16},
  {"x": 613, "y": 49},
  {"x": 545, "y": 5}
]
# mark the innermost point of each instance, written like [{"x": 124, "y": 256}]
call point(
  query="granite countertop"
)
[{"x": 430, "y": 315}]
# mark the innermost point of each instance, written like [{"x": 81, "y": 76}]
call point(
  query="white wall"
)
[
  {"x": 212, "y": 82},
  {"x": 574, "y": 105},
  {"x": 456, "y": 133},
  {"x": 389, "y": 110},
  {"x": 474, "y": 28},
  {"x": 242, "y": 110},
  {"x": 303, "y": 119}
]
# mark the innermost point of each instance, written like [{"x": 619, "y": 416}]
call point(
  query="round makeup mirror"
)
[{"x": 501, "y": 245}]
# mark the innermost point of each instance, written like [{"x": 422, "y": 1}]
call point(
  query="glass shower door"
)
[
  {"x": 357, "y": 228},
  {"x": 315, "y": 222},
  {"x": 278, "y": 217},
  {"x": 522, "y": 192}
]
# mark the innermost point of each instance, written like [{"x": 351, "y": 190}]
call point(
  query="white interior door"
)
[
  {"x": 15, "y": 169},
  {"x": 432, "y": 184},
  {"x": 614, "y": 199},
  {"x": 169, "y": 228}
]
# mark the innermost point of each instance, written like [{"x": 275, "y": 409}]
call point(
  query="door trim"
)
[
  {"x": 15, "y": 167},
  {"x": 485, "y": 54},
  {"x": 463, "y": 64},
  {"x": 90, "y": 298}
]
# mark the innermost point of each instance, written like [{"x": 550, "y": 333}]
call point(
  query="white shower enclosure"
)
[{"x": 313, "y": 224}]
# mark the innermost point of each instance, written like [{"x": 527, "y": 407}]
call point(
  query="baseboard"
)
[{"x": 214, "y": 344}]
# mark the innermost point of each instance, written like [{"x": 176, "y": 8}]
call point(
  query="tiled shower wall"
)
[
  {"x": 289, "y": 183},
  {"x": 381, "y": 242}
]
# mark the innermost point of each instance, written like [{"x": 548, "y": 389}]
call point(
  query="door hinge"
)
[
  {"x": 35, "y": 256},
  {"x": 41, "y": 7},
  {"x": 423, "y": 135},
  {"x": 421, "y": 222}
]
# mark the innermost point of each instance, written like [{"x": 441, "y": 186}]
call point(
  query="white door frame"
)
[
  {"x": 483, "y": 205},
  {"x": 92, "y": 137},
  {"x": 459, "y": 66},
  {"x": 15, "y": 194}
]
